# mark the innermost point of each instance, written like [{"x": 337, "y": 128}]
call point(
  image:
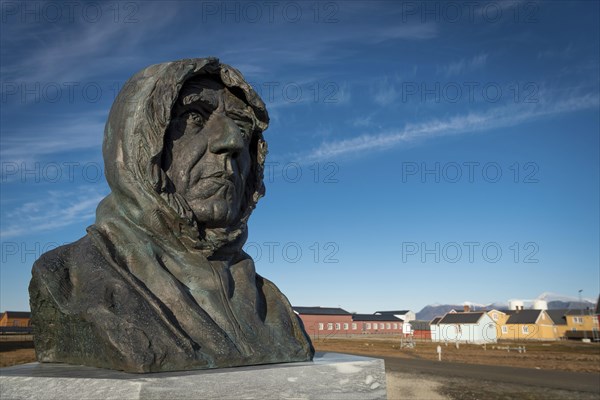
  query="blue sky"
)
[{"x": 420, "y": 152}]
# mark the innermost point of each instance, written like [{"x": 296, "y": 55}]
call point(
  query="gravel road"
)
[{"x": 432, "y": 380}]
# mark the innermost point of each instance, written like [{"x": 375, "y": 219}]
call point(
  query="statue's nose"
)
[{"x": 227, "y": 138}]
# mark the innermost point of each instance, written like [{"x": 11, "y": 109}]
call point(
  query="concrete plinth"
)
[{"x": 329, "y": 376}]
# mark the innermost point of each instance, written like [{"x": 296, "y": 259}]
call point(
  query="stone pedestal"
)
[{"x": 329, "y": 376}]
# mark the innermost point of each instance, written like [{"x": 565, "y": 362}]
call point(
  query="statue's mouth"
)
[
  {"x": 223, "y": 175},
  {"x": 215, "y": 185}
]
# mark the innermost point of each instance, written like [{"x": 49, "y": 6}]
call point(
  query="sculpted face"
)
[{"x": 207, "y": 153}]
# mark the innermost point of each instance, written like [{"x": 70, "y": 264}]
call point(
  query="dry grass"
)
[
  {"x": 567, "y": 356},
  {"x": 16, "y": 349},
  {"x": 16, "y": 357}
]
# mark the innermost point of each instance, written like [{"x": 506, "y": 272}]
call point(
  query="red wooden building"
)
[
  {"x": 420, "y": 330},
  {"x": 323, "y": 321},
  {"x": 378, "y": 324},
  {"x": 326, "y": 321}
]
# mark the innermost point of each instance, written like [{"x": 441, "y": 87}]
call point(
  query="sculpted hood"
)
[{"x": 134, "y": 140}]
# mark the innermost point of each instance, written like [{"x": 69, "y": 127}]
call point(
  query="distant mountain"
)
[
  {"x": 430, "y": 312},
  {"x": 550, "y": 297},
  {"x": 498, "y": 305},
  {"x": 572, "y": 305},
  {"x": 437, "y": 310}
]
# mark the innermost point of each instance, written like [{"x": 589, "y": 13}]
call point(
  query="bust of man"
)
[{"x": 160, "y": 282}]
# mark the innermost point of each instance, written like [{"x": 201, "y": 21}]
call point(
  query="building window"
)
[
  {"x": 578, "y": 320},
  {"x": 495, "y": 316},
  {"x": 525, "y": 329},
  {"x": 354, "y": 326},
  {"x": 395, "y": 326},
  {"x": 381, "y": 325},
  {"x": 15, "y": 322},
  {"x": 345, "y": 326},
  {"x": 388, "y": 326},
  {"x": 368, "y": 325},
  {"x": 505, "y": 329},
  {"x": 320, "y": 326},
  {"x": 337, "y": 326},
  {"x": 329, "y": 326}
]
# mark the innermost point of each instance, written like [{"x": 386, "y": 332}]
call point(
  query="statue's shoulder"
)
[
  {"x": 64, "y": 256},
  {"x": 57, "y": 270}
]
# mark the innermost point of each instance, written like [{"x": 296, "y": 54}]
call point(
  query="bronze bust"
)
[{"x": 160, "y": 282}]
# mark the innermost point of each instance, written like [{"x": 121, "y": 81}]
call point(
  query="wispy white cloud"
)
[
  {"x": 406, "y": 32},
  {"x": 82, "y": 49},
  {"x": 303, "y": 92},
  {"x": 386, "y": 92},
  {"x": 363, "y": 121},
  {"x": 83, "y": 132},
  {"x": 318, "y": 46},
  {"x": 498, "y": 117},
  {"x": 464, "y": 65},
  {"x": 387, "y": 89},
  {"x": 251, "y": 71},
  {"x": 53, "y": 210},
  {"x": 338, "y": 94},
  {"x": 564, "y": 53}
]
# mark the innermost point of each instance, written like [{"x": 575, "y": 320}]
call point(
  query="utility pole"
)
[{"x": 581, "y": 305}]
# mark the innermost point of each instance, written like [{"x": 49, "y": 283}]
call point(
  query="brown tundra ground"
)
[
  {"x": 16, "y": 349},
  {"x": 564, "y": 355}
]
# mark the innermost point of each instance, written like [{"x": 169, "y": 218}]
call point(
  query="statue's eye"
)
[
  {"x": 196, "y": 118},
  {"x": 243, "y": 121},
  {"x": 245, "y": 126}
]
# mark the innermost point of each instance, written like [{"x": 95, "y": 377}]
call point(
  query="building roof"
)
[
  {"x": 576, "y": 312},
  {"x": 462, "y": 318},
  {"x": 558, "y": 316},
  {"x": 372, "y": 317},
  {"x": 399, "y": 312},
  {"x": 16, "y": 314},
  {"x": 598, "y": 306},
  {"x": 419, "y": 325},
  {"x": 320, "y": 311},
  {"x": 435, "y": 321},
  {"x": 524, "y": 317}
]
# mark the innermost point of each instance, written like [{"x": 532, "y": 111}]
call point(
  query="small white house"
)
[
  {"x": 434, "y": 329},
  {"x": 464, "y": 327}
]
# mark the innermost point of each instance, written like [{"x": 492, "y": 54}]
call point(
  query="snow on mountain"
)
[
  {"x": 549, "y": 296},
  {"x": 554, "y": 300}
]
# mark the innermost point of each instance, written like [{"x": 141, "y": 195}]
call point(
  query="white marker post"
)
[{"x": 439, "y": 352}]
